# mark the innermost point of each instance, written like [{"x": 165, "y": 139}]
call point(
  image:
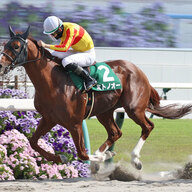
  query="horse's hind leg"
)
[
  {"x": 138, "y": 115},
  {"x": 43, "y": 127},
  {"x": 113, "y": 131}
]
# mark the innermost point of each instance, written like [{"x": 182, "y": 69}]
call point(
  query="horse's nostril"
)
[{"x": 0, "y": 66}]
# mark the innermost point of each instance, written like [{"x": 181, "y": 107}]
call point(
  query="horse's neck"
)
[
  {"x": 39, "y": 76},
  {"x": 40, "y": 70}
]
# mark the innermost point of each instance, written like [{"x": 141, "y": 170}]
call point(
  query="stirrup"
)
[{"x": 89, "y": 88}]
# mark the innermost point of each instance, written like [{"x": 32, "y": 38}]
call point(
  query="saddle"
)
[{"x": 106, "y": 78}]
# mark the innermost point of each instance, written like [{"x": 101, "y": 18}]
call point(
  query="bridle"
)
[{"x": 20, "y": 57}]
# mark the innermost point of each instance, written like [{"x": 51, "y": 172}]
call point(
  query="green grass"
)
[{"x": 169, "y": 142}]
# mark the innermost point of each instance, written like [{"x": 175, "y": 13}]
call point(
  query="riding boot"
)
[{"x": 89, "y": 82}]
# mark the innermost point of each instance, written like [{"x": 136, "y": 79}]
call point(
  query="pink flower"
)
[{"x": 43, "y": 177}]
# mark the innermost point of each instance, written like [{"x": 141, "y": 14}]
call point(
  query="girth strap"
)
[{"x": 90, "y": 103}]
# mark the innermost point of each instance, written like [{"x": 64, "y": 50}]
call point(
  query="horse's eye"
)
[{"x": 16, "y": 46}]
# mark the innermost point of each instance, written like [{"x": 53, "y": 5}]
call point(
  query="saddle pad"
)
[{"x": 106, "y": 78}]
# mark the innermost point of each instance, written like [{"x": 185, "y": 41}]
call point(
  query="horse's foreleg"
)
[
  {"x": 77, "y": 135},
  {"x": 114, "y": 133},
  {"x": 41, "y": 130}
]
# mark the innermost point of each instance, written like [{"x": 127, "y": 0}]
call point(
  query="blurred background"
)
[
  {"x": 120, "y": 23},
  {"x": 156, "y": 35}
]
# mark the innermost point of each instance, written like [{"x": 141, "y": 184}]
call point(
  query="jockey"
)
[{"x": 73, "y": 36}]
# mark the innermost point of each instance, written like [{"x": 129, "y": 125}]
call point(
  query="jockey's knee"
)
[{"x": 65, "y": 62}]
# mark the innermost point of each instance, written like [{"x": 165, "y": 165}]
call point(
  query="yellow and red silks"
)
[{"x": 74, "y": 36}]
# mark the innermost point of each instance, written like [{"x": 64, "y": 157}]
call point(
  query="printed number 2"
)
[{"x": 106, "y": 78}]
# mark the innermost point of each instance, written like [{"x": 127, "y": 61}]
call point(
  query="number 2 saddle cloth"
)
[{"x": 106, "y": 79}]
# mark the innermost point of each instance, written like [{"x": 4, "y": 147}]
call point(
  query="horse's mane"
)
[
  {"x": 46, "y": 52},
  {"x": 33, "y": 40}
]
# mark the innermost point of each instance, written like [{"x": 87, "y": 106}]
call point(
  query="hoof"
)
[
  {"x": 138, "y": 166},
  {"x": 109, "y": 154},
  {"x": 94, "y": 167}
]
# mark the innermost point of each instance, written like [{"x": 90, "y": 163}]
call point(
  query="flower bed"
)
[
  {"x": 19, "y": 161},
  {"x": 109, "y": 25}
]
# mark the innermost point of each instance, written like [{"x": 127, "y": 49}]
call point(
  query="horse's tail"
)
[{"x": 172, "y": 111}]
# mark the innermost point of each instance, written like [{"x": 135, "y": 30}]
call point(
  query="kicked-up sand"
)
[{"x": 114, "y": 178}]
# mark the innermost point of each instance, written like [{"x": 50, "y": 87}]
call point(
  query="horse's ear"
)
[
  {"x": 25, "y": 35},
  {"x": 11, "y": 32}
]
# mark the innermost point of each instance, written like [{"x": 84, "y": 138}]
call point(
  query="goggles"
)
[{"x": 54, "y": 34}]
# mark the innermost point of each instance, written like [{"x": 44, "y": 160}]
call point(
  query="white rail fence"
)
[
  {"x": 28, "y": 104},
  {"x": 17, "y": 105}
]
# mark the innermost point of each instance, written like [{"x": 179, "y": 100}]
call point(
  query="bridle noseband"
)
[{"x": 20, "y": 58}]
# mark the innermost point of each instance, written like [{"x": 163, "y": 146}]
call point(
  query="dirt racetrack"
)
[
  {"x": 92, "y": 185},
  {"x": 118, "y": 179}
]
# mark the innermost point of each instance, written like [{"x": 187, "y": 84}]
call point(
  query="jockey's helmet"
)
[{"x": 51, "y": 27}]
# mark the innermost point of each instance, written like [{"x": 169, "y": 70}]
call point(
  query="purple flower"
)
[{"x": 15, "y": 126}]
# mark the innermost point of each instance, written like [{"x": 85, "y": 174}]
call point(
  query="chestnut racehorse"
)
[{"x": 60, "y": 102}]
